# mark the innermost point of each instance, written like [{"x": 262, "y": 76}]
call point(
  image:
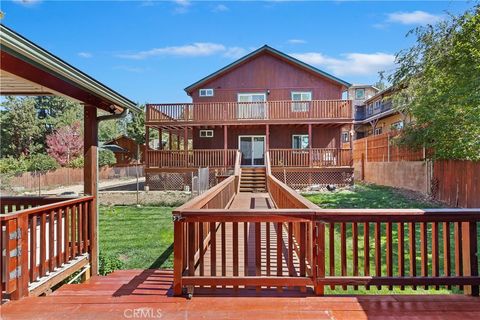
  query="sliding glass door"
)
[{"x": 252, "y": 149}]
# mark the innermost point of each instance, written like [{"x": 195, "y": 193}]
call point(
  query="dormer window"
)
[
  {"x": 205, "y": 93},
  {"x": 359, "y": 94}
]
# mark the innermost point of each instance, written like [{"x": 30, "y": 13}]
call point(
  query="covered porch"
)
[{"x": 44, "y": 240}]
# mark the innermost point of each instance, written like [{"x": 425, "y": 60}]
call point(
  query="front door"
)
[
  {"x": 252, "y": 149},
  {"x": 251, "y": 105}
]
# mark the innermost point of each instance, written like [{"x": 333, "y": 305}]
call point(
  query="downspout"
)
[{"x": 121, "y": 115}]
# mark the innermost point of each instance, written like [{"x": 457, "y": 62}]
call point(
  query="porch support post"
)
[
  {"x": 185, "y": 144},
  {"x": 225, "y": 145},
  {"x": 267, "y": 137},
  {"x": 160, "y": 142},
  {"x": 90, "y": 145},
  {"x": 170, "y": 139},
  {"x": 310, "y": 152},
  {"x": 178, "y": 140},
  {"x": 469, "y": 255},
  {"x": 352, "y": 134}
]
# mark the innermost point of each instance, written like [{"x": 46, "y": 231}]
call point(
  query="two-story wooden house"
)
[{"x": 264, "y": 103}]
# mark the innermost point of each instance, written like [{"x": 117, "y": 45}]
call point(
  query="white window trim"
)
[
  {"x": 206, "y": 91},
  {"x": 375, "y": 131},
  {"x": 300, "y": 105},
  {"x": 299, "y": 135},
  {"x": 347, "y": 134},
  {"x": 206, "y": 133},
  {"x": 359, "y": 89}
]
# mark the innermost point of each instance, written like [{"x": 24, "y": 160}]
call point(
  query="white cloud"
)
[
  {"x": 85, "y": 54},
  {"x": 414, "y": 17},
  {"x": 296, "y": 41},
  {"x": 197, "y": 49},
  {"x": 27, "y": 2},
  {"x": 129, "y": 69},
  {"x": 220, "y": 8},
  {"x": 182, "y": 6},
  {"x": 351, "y": 64}
]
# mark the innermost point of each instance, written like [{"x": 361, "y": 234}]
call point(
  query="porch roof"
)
[{"x": 28, "y": 69}]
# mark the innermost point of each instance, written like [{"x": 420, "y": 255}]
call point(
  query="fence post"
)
[
  {"x": 319, "y": 257},
  {"x": 388, "y": 147},
  {"x": 469, "y": 255},
  {"x": 177, "y": 255}
]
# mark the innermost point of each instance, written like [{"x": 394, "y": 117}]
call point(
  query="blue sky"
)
[{"x": 150, "y": 50}]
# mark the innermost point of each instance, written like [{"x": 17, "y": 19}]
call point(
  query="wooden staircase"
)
[{"x": 253, "y": 180}]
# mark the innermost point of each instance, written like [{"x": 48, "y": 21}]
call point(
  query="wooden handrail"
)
[{"x": 64, "y": 230}]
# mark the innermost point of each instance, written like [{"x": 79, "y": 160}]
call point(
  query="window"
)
[
  {"x": 301, "y": 96},
  {"x": 206, "y": 93},
  {"x": 397, "y": 125},
  {"x": 300, "y": 141},
  {"x": 369, "y": 109},
  {"x": 359, "y": 94},
  {"x": 376, "y": 105},
  {"x": 378, "y": 131},
  {"x": 206, "y": 133},
  {"x": 345, "y": 136}
]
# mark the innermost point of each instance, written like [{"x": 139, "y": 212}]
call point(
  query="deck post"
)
[
  {"x": 310, "y": 153},
  {"x": 267, "y": 137},
  {"x": 469, "y": 255},
  {"x": 170, "y": 140},
  {"x": 160, "y": 138},
  {"x": 225, "y": 145},
  {"x": 185, "y": 145},
  {"x": 351, "y": 135},
  {"x": 178, "y": 140},
  {"x": 90, "y": 146},
  {"x": 22, "y": 259},
  {"x": 177, "y": 257}
]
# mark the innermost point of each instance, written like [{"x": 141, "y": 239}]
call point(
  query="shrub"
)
[
  {"x": 42, "y": 162},
  {"x": 11, "y": 165},
  {"x": 106, "y": 158},
  {"x": 77, "y": 162},
  {"x": 107, "y": 263}
]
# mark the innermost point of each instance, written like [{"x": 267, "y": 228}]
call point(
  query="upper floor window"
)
[
  {"x": 397, "y": 125},
  {"x": 377, "y": 104},
  {"x": 205, "y": 93},
  {"x": 378, "y": 131},
  {"x": 345, "y": 136},
  {"x": 359, "y": 94},
  {"x": 301, "y": 96},
  {"x": 370, "y": 109},
  {"x": 206, "y": 133},
  {"x": 300, "y": 141}
]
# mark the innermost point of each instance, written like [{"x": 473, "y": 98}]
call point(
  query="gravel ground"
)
[{"x": 151, "y": 198}]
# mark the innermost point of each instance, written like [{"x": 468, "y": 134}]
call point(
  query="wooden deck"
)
[{"x": 147, "y": 294}]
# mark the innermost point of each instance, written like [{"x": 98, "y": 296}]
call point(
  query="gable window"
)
[
  {"x": 301, "y": 96},
  {"x": 345, "y": 136},
  {"x": 206, "y": 133},
  {"x": 205, "y": 93},
  {"x": 359, "y": 94},
  {"x": 378, "y": 131},
  {"x": 300, "y": 141}
]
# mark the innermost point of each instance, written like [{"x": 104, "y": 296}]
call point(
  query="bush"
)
[
  {"x": 77, "y": 162},
  {"x": 42, "y": 162},
  {"x": 107, "y": 263},
  {"x": 106, "y": 158},
  {"x": 13, "y": 166}
]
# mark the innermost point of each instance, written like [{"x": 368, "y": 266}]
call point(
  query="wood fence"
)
[
  {"x": 382, "y": 148},
  {"x": 65, "y": 177},
  {"x": 457, "y": 182}
]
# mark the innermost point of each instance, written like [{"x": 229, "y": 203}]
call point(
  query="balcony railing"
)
[
  {"x": 224, "y": 112},
  {"x": 318, "y": 157}
]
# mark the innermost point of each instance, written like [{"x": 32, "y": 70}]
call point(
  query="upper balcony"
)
[{"x": 274, "y": 112}]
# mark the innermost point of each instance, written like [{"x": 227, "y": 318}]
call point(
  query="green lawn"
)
[{"x": 139, "y": 237}]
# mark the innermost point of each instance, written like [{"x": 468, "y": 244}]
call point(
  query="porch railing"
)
[
  {"x": 249, "y": 111},
  {"x": 316, "y": 157},
  {"x": 41, "y": 236},
  {"x": 191, "y": 159},
  {"x": 298, "y": 244}
]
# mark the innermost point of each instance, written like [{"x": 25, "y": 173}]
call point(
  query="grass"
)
[
  {"x": 367, "y": 196},
  {"x": 140, "y": 237}
]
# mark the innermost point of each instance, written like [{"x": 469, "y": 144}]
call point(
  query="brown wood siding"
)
[
  {"x": 267, "y": 72},
  {"x": 280, "y": 136},
  {"x": 129, "y": 157}
]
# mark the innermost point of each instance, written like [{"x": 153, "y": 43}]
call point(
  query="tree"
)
[
  {"x": 439, "y": 82},
  {"x": 65, "y": 144},
  {"x": 21, "y": 131},
  {"x": 136, "y": 126}
]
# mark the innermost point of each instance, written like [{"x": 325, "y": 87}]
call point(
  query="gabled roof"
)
[{"x": 273, "y": 51}]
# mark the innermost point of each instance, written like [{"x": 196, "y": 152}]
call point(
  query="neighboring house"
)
[
  {"x": 125, "y": 150},
  {"x": 377, "y": 115},
  {"x": 264, "y": 102}
]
